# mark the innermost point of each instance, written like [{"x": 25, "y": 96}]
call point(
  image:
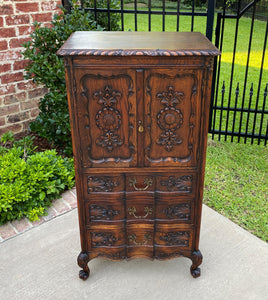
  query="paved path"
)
[
  {"x": 41, "y": 264},
  {"x": 60, "y": 206}
]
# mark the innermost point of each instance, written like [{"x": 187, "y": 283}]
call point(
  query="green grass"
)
[{"x": 236, "y": 184}]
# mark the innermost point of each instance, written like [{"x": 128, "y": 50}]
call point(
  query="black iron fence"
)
[{"x": 239, "y": 110}]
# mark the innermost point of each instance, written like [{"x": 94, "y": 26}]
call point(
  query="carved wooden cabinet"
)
[{"x": 139, "y": 110}]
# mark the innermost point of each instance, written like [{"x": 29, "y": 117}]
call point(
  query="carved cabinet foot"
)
[
  {"x": 82, "y": 261},
  {"x": 196, "y": 261}
]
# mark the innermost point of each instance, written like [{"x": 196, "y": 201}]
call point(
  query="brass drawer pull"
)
[
  {"x": 147, "y": 181},
  {"x": 147, "y": 210},
  {"x": 132, "y": 238}
]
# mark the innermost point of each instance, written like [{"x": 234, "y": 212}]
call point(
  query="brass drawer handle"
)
[
  {"x": 132, "y": 238},
  {"x": 147, "y": 210},
  {"x": 147, "y": 181}
]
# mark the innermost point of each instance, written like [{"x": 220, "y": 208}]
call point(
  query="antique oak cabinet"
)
[{"x": 139, "y": 109}]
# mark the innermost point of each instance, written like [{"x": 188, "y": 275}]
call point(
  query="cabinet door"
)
[
  {"x": 106, "y": 110},
  {"x": 172, "y": 104}
]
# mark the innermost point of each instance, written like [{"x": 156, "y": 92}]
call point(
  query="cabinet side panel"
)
[
  {"x": 70, "y": 86},
  {"x": 205, "y": 100}
]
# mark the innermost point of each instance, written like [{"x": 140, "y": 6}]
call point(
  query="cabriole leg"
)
[
  {"x": 82, "y": 261},
  {"x": 196, "y": 261}
]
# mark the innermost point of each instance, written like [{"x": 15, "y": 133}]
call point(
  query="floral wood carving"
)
[
  {"x": 103, "y": 239},
  {"x": 178, "y": 211},
  {"x": 176, "y": 238},
  {"x": 101, "y": 184},
  {"x": 108, "y": 118},
  {"x": 169, "y": 119},
  {"x": 102, "y": 213},
  {"x": 179, "y": 184}
]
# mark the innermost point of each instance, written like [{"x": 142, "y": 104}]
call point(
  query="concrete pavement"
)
[{"x": 41, "y": 264}]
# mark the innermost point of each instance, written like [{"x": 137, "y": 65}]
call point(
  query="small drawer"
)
[
  {"x": 171, "y": 236},
  {"x": 140, "y": 209},
  {"x": 140, "y": 183},
  {"x": 104, "y": 211},
  {"x": 179, "y": 183},
  {"x": 103, "y": 184},
  {"x": 140, "y": 236},
  {"x": 105, "y": 237},
  {"x": 175, "y": 211},
  {"x": 140, "y": 240}
]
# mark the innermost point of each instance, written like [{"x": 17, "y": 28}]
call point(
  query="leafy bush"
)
[
  {"x": 47, "y": 68},
  {"x": 29, "y": 181}
]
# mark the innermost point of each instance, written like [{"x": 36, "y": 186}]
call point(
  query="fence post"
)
[
  {"x": 67, "y": 5},
  {"x": 217, "y": 39},
  {"x": 210, "y": 18}
]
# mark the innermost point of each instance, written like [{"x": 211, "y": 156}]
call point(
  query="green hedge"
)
[{"x": 29, "y": 181}]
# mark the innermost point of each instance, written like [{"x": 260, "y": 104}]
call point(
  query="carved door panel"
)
[
  {"x": 106, "y": 116},
  {"x": 171, "y": 117}
]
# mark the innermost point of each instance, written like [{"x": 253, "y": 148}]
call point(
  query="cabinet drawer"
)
[
  {"x": 179, "y": 183},
  {"x": 174, "y": 210},
  {"x": 140, "y": 235},
  {"x": 106, "y": 237},
  {"x": 104, "y": 211},
  {"x": 140, "y": 209},
  {"x": 140, "y": 240},
  {"x": 103, "y": 184},
  {"x": 172, "y": 236}
]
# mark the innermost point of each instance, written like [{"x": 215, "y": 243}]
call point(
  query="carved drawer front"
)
[
  {"x": 140, "y": 209},
  {"x": 105, "y": 211},
  {"x": 140, "y": 239},
  {"x": 140, "y": 183},
  {"x": 179, "y": 183},
  {"x": 172, "y": 236},
  {"x": 106, "y": 237},
  {"x": 175, "y": 211},
  {"x": 100, "y": 183}
]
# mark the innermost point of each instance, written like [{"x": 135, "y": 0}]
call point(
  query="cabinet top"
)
[{"x": 121, "y": 43}]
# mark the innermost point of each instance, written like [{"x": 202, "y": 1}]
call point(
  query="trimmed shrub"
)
[{"x": 29, "y": 181}]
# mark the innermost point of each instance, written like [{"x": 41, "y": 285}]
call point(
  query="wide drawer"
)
[{"x": 183, "y": 183}]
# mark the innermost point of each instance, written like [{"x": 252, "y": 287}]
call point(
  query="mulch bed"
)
[{"x": 39, "y": 142}]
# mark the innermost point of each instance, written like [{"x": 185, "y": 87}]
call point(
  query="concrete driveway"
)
[{"x": 41, "y": 264}]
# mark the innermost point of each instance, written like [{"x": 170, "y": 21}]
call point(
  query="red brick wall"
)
[{"x": 18, "y": 97}]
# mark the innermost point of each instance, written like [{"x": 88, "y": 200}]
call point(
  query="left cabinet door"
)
[{"x": 105, "y": 111}]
